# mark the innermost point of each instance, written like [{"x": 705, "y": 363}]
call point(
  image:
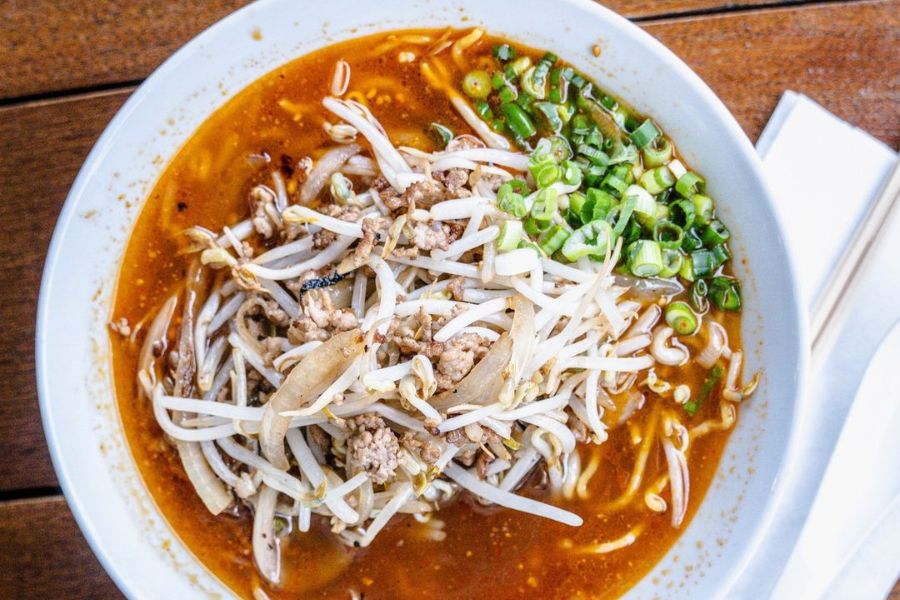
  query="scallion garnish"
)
[
  {"x": 592, "y": 240},
  {"x": 553, "y": 239},
  {"x": 510, "y": 198},
  {"x": 689, "y": 184},
  {"x": 518, "y": 120},
  {"x": 703, "y": 209},
  {"x": 725, "y": 293},
  {"x": 510, "y": 234},
  {"x": 715, "y": 374},
  {"x": 477, "y": 84},
  {"x": 646, "y": 258},
  {"x": 441, "y": 134},
  {"x": 698, "y": 296},
  {"x": 681, "y": 318},
  {"x": 715, "y": 233}
]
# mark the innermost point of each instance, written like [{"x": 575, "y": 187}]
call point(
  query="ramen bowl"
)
[{"x": 96, "y": 471}]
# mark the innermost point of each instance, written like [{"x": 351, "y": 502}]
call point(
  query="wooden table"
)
[{"x": 66, "y": 66}]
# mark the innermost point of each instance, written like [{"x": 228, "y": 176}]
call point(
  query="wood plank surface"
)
[
  {"x": 52, "y": 45},
  {"x": 42, "y": 146},
  {"x": 833, "y": 58},
  {"x": 843, "y": 56},
  {"x": 45, "y": 556}
]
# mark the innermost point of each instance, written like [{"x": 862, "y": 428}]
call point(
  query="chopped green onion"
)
[
  {"x": 715, "y": 233},
  {"x": 547, "y": 174},
  {"x": 504, "y": 52},
  {"x": 681, "y": 318},
  {"x": 510, "y": 198},
  {"x": 560, "y": 149},
  {"x": 549, "y": 115},
  {"x": 715, "y": 374},
  {"x": 484, "y": 110},
  {"x": 529, "y": 244},
  {"x": 597, "y": 157},
  {"x": 647, "y": 258},
  {"x": 498, "y": 81},
  {"x": 657, "y": 179},
  {"x": 592, "y": 240},
  {"x": 672, "y": 262},
  {"x": 725, "y": 293},
  {"x": 682, "y": 213},
  {"x": 668, "y": 234},
  {"x": 703, "y": 263},
  {"x": 530, "y": 82},
  {"x": 698, "y": 296},
  {"x": 658, "y": 153},
  {"x": 721, "y": 254},
  {"x": 644, "y": 204},
  {"x": 677, "y": 169},
  {"x": 545, "y": 204},
  {"x": 477, "y": 84},
  {"x": 519, "y": 65},
  {"x": 599, "y": 203},
  {"x": 686, "y": 271},
  {"x": 441, "y": 134},
  {"x": 615, "y": 183},
  {"x": 507, "y": 94},
  {"x": 644, "y": 134},
  {"x": 621, "y": 215},
  {"x": 554, "y": 239},
  {"x": 571, "y": 173},
  {"x": 519, "y": 122},
  {"x": 691, "y": 240},
  {"x": 510, "y": 234},
  {"x": 689, "y": 184},
  {"x": 703, "y": 208},
  {"x": 577, "y": 203},
  {"x": 632, "y": 232}
]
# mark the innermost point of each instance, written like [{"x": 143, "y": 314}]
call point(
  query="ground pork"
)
[
  {"x": 425, "y": 450},
  {"x": 458, "y": 358},
  {"x": 386, "y": 193},
  {"x": 262, "y": 207},
  {"x": 323, "y": 238},
  {"x": 372, "y": 448},
  {"x": 413, "y": 336},
  {"x": 455, "y": 181},
  {"x": 259, "y": 305},
  {"x": 434, "y": 236},
  {"x": 455, "y": 287},
  {"x": 319, "y": 319},
  {"x": 374, "y": 230},
  {"x": 423, "y": 194},
  {"x": 344, "y": 212}
]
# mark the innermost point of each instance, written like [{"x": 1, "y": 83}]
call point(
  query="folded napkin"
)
[{"x": 810, "y": 158}]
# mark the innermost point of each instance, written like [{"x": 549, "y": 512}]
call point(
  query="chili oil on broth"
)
[{"x": 487, "y": 549}]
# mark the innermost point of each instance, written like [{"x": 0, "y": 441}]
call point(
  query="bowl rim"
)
[{"x": 158, "y": 77}]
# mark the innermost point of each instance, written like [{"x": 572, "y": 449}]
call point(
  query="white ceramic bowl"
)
[{"x": 94, "y": 467}]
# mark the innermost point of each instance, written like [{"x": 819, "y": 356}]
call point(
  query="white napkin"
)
[{"x": 811, "y": 158}]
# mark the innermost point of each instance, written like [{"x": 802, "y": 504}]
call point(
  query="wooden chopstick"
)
[{"x": 836, "y": 289}]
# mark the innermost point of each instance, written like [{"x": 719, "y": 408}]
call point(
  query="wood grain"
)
[
  {"x": 42, "y": 147},
  {"x": 45, "y": 556},
  {"x": 52, "y": 45},
  {"x": 843, "y": 56}
]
